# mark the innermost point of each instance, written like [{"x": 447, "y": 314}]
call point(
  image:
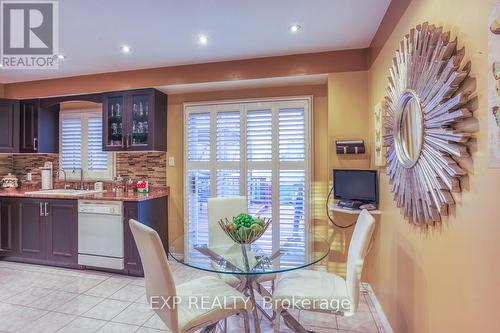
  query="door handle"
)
[
  {"x": 46, "y": 211},
  {"x": 35, "y": 142},
  {"x": 41, "y": 209}
]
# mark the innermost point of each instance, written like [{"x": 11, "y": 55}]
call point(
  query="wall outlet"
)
[{"x": 171, "y": 161}]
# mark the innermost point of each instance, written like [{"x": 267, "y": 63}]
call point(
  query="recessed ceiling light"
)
[
  {"x": 294, "y": 28},
  {"x": 61, "y": 56},
  {"x": 1, "y": 65},
  {"x": 126, "y": 49},
  {"x": 202, "y": 39}
]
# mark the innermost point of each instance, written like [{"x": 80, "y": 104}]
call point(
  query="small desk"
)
[{"x": 338, "y": 209}]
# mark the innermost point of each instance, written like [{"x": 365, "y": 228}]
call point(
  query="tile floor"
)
[{"x": 47, "y": 299}]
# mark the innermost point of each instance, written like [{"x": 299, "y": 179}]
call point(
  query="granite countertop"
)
[{"x": 110, "y": 196}]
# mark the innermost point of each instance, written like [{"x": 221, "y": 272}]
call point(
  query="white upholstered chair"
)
[
  {"x": 160, "y": 286},
  {"x": 323, "y": 291},
  {"x": 227, "y": 207}
]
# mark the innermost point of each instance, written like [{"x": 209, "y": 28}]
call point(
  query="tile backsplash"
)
[{"x": 135, "y": 165}]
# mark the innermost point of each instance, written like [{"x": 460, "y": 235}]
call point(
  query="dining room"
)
[{"x": 325, "y": 166}]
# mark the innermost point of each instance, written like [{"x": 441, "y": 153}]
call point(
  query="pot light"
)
[
  {"x": 125, "y": 49},
  {"x": 294, "y": 28},
  {"x": 61, "y": 56},
  {"x": 1, "y": 65},
  {"x": 202, "y": 39}
]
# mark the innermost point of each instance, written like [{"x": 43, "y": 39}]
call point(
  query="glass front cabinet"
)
[{"x": 135, "y": 120}]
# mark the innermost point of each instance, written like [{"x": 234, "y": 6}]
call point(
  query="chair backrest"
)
[
  {"x": 158, "y": 276},
  {"x": 356, "y": 255},
  {"x": 219, "y": 208}
]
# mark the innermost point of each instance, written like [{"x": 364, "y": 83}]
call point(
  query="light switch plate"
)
[{"x": 171, "y": 161}]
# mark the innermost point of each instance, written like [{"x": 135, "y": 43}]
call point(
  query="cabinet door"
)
[
  {"x": 29, "y": 126},
  {"x": 132, "y": 259},
  {"x": 9, "y": 231},
  {"x": 114, "y": 122},
  {"x": 139, "y": 125},
  {"x": 9, "y": 126},
  {"x": 31, "y": 229},
  {"x": 62, "y": 231}
]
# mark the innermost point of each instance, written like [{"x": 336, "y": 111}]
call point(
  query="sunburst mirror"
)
[{"x": 424, "y": 103}]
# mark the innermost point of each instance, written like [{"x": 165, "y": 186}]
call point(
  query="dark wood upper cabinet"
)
[
  {"x": 9, "y": 126},
  {"x": 135, "y": 120},
  {"x": 39, "y": 128}
]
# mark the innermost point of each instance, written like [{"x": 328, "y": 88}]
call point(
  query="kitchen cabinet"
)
[
  {"x": 135, "y": 120},
  {"x": 39, "y": 127},
  {"x": 8, "y": 227},
  {"x": 62, "y": 231},
  {"x": 47, "y": 231},
  {"x": 152, "y": 213},
  {"x": 9, "y": 126},
  {"x": 32, "y": 230},
  {"x": 133, "y": 263}
]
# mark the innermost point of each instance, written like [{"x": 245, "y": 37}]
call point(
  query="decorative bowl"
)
[{"x": 244, "y": 234}]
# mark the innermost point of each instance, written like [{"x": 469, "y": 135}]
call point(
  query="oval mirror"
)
[{"x": 409, "y": 136}]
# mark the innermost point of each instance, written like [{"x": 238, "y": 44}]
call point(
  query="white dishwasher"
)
[{"x": 100, "y": 234}]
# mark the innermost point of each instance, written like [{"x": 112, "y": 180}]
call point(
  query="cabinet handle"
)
[
  {"x": 35, "y": 142},
  {"x": 41, "y": 209},
  {"x": 123, "y": 140},
  {"x": 129, "y": 141},
  {"x": 46, "y": 211}
]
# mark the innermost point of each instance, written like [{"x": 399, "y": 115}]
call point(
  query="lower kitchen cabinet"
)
[
  {"x": 62, "y": 231},
  {"x": 40, "y": 231},
  {"x": 32, "y": 229},
  {"x": 45, "y": 231},
  {"x": 9, "y": 243},
  {"x": 152, "y": 213}
]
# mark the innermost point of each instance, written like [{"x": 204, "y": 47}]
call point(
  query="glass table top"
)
[{"x": 218, "y": 253}]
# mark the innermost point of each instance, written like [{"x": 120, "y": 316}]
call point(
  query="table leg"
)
[{"x": 254, "y": 304}]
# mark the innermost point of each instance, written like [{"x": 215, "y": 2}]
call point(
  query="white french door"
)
[{"x": 257, "y": 149}]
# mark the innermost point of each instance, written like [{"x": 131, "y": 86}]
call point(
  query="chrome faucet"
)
[
  {"x": 65, "y": 182},
  {"x": 81, "y": 176}
]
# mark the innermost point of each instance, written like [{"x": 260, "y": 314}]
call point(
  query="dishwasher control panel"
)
[{"x": 100, "y": 207}]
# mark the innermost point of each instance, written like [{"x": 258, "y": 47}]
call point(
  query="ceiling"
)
[{"x": 165, "y": 32}]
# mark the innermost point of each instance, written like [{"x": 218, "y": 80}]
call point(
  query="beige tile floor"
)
[{"x": 47, "y": 299}]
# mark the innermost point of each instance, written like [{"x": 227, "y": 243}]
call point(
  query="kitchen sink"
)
[{"x": 64, "y": 192}]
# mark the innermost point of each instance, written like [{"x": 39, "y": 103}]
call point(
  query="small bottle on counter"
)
[
  {"x": 130, "y": 186},
  {"x": 143, "y": 185}
]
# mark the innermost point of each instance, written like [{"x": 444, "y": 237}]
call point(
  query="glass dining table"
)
[{"x": 252, "y": 263}]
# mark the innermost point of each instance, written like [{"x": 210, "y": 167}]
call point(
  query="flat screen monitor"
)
[{"x": 359, "y": 185}]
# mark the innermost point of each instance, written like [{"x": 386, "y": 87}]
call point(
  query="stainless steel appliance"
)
[{"x": 100, "y": 234}]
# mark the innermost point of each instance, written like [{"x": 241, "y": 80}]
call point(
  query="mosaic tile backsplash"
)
[{"x": 135, "y": 165}]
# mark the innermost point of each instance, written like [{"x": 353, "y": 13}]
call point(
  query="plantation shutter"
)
[
  {"x": 256, "y": 149},
  {"x": 71, "y": 143},
  {"x": 97, "y": 160},
  {"x": 81, "y": 146}
]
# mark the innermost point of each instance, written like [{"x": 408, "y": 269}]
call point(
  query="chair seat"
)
[
  {"x": 321, "y": 291},
  {"x": 212, "y": 291}
]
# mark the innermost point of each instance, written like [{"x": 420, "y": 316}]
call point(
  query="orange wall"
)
[{"x": 444, "y": 278}]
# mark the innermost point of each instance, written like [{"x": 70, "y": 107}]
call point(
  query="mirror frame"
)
[{"x": 427, "y": 67}]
